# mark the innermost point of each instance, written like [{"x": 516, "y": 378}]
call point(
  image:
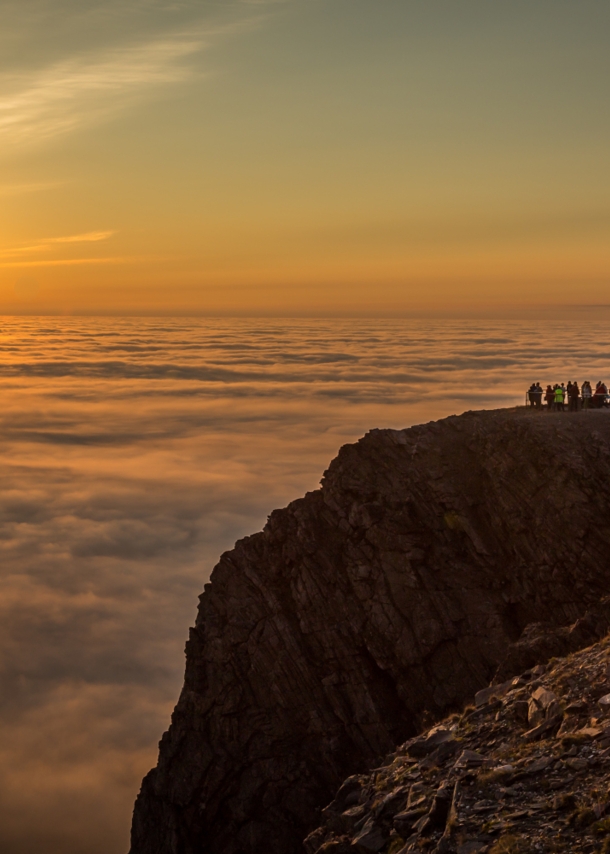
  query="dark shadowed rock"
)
[
  {"x": 392, "y": 593},
  {"x": 541, "y": 641},
  {"x": 505, "y": 792}
]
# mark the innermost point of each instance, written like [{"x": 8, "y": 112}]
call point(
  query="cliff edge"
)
[{"x": 384, "y": 599}]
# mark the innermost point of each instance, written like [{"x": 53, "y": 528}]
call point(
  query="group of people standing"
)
[{"x": 577, "y": 398}]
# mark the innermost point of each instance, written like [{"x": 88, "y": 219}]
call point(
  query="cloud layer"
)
[{"x": 133, "y": 453}]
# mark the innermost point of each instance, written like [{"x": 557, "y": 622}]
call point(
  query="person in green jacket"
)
[{"x": 559, "y": 398}]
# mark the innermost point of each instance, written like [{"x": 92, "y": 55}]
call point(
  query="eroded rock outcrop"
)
[
  {"x": 526, "y": 771},
  {"x": 389, "y": 596}
]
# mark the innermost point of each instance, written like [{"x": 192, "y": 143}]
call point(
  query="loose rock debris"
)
[{"x": 526, "y": 769}]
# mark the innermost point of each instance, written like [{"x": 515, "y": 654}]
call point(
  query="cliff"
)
[{"x": 384, "y": 599}]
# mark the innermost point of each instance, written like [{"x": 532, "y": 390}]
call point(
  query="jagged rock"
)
[
  {"x": 436, "y": 738},
  {"x": 394, "y": 591},
  {"x": 521, "y": 711},
  {"x": 372, "y": 837},
  {"x": 577, "y": 764},
  {"x": 447, "y": 842},
  {"x": 540, "y": 764},
  {"x": 470, "y": 758},
  {"x": 482, "y": 697},
  {"x": 543, "y": 728},
  {"x": 391, "y": 804},
  {"x": 405, "y": 821},
  {"x": 541, "y": 642},
  {"x": 349, "y": 793},
  {"x": 315, "y": 840},
  {"x": 588, "y": 733},
  {"x": 416, "y": 795},
  {"x": 515, "y": 802},
  {"x": 437, "y": 817},
  {"x": 542, "y": 705}
]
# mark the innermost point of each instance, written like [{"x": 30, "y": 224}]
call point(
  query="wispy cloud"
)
[
  {"x": 88, "y": 237},
  {"x": 48, "y": 244},
  {"x": 66, "y": 262},
  {"x": 81, "y": 91},
  {"x": 21, "y": 189},
  {"x": 127, "y": 51}
]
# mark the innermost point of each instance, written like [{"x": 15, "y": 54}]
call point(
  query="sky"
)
[
  {"x": 133, "y": 452},
  {"x": 303, "y": 157}
]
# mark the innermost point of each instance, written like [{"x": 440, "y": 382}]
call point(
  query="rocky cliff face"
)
[{"x": 390, "y": 595}]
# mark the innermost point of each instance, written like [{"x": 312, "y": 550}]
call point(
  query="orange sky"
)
[{"x": 303, "y": 156}]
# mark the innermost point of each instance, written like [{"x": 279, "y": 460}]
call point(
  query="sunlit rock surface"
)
[{"x": 389, "y": 596}]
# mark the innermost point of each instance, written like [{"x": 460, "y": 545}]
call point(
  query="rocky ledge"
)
[
  {"x": 384, "y": 600},
  {"x": 524, "y": 770}
]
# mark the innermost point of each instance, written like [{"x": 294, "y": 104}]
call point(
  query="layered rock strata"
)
[{"x": 387, "y": 597}]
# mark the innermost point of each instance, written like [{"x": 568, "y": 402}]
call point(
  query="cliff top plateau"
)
[{"x": 370, "y": 608}]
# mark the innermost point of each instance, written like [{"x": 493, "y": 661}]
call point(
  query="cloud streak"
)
[
  {"x": 69, "y": 262},
  {"x": 88, "y": 237},
  {"x": 23, "y": 189},
  {"x": 130, "y": 51},
  {"x": 50, "y": 243},
  {"x": 81, "y": 91}
]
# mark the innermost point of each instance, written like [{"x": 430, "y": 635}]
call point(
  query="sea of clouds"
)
[{"x": 135, "y": 451}]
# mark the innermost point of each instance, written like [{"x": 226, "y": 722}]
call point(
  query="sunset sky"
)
[{"x": 303, "y": 156}]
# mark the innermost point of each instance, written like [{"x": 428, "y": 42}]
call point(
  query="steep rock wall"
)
[{"x": 391, "y": 593}]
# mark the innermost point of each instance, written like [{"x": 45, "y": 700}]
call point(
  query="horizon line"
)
[{"x": 416, "y": 314}]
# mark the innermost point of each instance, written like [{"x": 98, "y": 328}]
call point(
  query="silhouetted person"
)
[
  {"x": 549, "y": 396},
  {"x": 573, "y": 396},
  {"x": 538, "y": 396},
  {"x": 586, "y": 394},
  {"x": 599, "y": 398}
]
